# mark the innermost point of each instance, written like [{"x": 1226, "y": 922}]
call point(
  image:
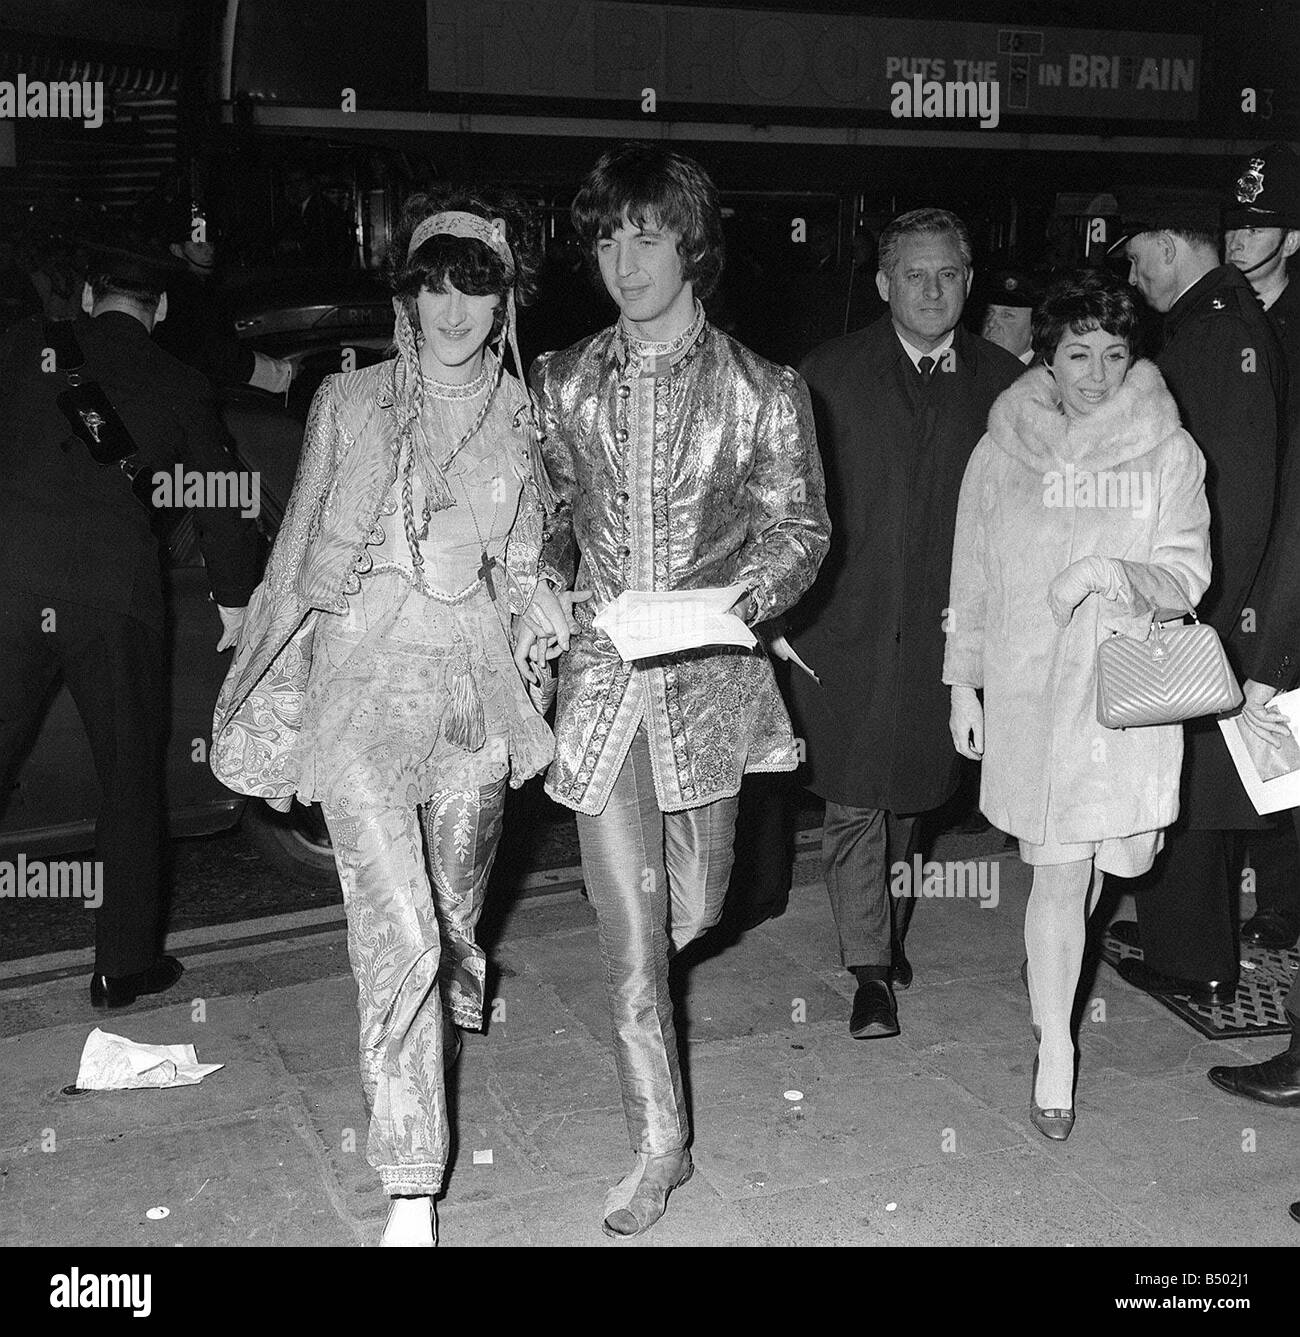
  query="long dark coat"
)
[
  {"x": 894, "y": 450},
  {"x": 1225, "y": 369}
]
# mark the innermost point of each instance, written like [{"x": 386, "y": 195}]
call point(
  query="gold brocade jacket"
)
[
  {"x": 348, "y": 464},
  {"x": 692, "y": 469}
]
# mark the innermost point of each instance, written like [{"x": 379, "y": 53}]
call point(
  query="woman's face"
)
[
  {"x": 455, "y": 328},
  {"x": 1089, "y": 368}
]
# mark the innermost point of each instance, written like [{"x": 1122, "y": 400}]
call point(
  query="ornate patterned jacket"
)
[
  {"x": 693, "y": 468},
  {"x": 348, "y": 463}
]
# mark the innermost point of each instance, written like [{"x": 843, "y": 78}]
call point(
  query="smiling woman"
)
[
  {"x": 1039, "y": 579},
  {"x": 386, "y": 669}
]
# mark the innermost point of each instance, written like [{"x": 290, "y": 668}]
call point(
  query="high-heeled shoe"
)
[
  {"x": 632, "y": 1206},
  {"x": 386, "y": 1243},
  {"x": 1033, "y": 1025},
  {"x": 1056, "y": 1124}
]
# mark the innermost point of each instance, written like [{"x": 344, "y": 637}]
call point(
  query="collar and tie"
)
[{"x": 925, "y": 366}]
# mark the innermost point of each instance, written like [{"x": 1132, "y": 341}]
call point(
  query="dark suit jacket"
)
[
  {"x": 72, "y": 529},
  {"x": 894, "y": 451}
]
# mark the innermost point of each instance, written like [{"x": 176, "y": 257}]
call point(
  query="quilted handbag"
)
[{"x": 1174, "y": 673}]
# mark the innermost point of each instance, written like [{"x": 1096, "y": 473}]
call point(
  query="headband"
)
[{"x": 492, "y": 233}]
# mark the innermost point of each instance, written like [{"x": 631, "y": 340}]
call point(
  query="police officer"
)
[
  {"x": 1262, "y": 233},
  {"x": 1222, "y": 363},
  {"x": 200, "y": 327},
  {"x": 1262, "y": 225},
  {"x": 89, "y": 410},
  {"x": 1010, "y": 296}
]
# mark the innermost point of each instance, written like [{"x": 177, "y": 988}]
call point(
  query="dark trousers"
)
[
  {"x": 1185, "y": 907},
  {"x": 858, "y": 847},
  {"x": 113, "y": 667},
  {"x": 1281, "y": 894}
]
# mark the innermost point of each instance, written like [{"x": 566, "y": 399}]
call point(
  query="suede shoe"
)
[
  {"x": 123, "y": 990},
  {"x": 875, "y": 1013}
]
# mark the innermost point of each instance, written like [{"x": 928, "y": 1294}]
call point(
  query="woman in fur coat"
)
[{"x": 1082, "y": 512}]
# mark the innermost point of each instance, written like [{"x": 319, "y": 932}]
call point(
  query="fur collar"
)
[{"x": 1027, "y": 421}]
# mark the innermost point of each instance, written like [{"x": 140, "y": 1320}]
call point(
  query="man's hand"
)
[
  {"x": 544, "y": 629},
  {"x": 232, "y": 619},
  {"x": 966, "y": 723},
  {"x": 1260, "y": 717},
  {"x": 744, "y": 608}
]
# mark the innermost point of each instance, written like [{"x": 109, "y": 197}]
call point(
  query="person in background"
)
[
  {"x": 1262, "y": 225},
  {"x": 1039, "y": 577},
  {"x": 899, "y": 406},
  {"x": 1224, "y": 368},
  {"x": 200, "y": 328},
  {"x": 1008, "y": 315},
  {"x": 315, "y": 233},
  {"x": 82, "y": 595},
  {"x": 681, "y": 460}
]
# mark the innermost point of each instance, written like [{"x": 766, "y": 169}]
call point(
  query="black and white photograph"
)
[{"x": 534, "y": 533}]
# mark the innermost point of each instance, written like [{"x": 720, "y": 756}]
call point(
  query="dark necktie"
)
[{"x": 926, "y": 367}]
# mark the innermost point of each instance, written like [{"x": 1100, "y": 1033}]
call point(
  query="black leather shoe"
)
[
  {"x": 875, "y": 1013},
  {"x": 1276, "y": 1081},
  {"x": 1270, "y": 928},
  {"x": 900, "y": 969},
  {"x": 1295, "y": 1211},
  {"x": 122, "y": 990},
  {"x": 1125, "y": 931},
  {"x": 1209, "y": 993}
]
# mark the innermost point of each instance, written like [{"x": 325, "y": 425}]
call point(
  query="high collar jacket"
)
[{"x": 701, "y": 472}]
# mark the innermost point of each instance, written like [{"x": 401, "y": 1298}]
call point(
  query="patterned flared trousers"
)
[{"x": 414, "y": 879}]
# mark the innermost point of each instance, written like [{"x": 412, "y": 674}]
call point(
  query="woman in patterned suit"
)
[{"x": 375, "y": 674}]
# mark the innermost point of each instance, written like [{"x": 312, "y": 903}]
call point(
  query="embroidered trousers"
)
[{"x": 414, "y": 879}]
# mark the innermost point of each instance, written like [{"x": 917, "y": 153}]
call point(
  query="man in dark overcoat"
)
[
  {"x": 899, "y": 407},
  {"x": 1224, "y": 367}
]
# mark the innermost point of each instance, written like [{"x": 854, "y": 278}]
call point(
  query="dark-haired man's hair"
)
[
  {"x": 1089, "y": 299},
  {"x": 469, "y": 265},
  {"x": 648, "y": 184},
  {"x": 107, "y": 285}
]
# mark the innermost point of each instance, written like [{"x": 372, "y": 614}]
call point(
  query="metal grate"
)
[{"x": 1266, "y": 978}]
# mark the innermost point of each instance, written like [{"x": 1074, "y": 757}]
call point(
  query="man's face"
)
[
  {"x": 1008, "y": 326},
  {"x": 1245, "y": 247},
  {"x": 927, "y": 288},
  {"x": 1151, "y": 268},
  {"x": 642, "y": 271}
]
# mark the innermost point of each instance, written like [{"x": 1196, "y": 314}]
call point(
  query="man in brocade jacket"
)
[{"x": 683, "y": 461}]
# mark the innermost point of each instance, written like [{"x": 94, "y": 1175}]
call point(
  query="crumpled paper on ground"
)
[
  {"x": 114, "y": 1063},
  {"x": 643, "y": 623}
]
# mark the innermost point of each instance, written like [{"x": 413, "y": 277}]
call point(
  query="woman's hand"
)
[
  {"x": 1069, "y": 588},
  {"x": 551, "y": 615},
  {"x": 1261, "y": 718},
  {"x": 966, "y": 723},
  {"x": 232, "y": 620}
]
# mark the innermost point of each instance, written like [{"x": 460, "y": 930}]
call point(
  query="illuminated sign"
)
[{"x": 584, "y": 49}]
